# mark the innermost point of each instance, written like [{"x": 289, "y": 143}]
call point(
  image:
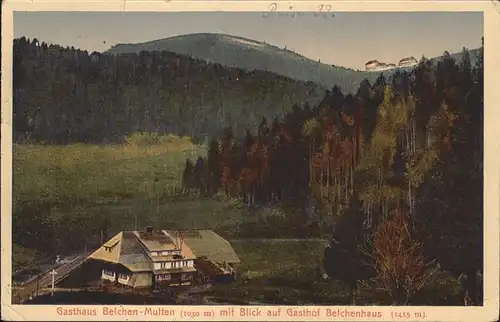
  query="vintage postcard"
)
[{"x": 250, "y": 161}]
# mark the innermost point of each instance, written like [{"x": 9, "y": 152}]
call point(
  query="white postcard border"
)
[{"x": 489, "y": 312}]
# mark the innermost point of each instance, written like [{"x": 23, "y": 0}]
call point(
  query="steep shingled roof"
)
[
  {"x": 110, "y": 251},
  {"x": 133, "y": 255},
  {"x": 155, "y": 241},
  {"x": 206, "y": 243},
  {"x": 186, "y": 251}
]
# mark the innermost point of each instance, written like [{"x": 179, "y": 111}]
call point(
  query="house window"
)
[
  {"x": 108, "y": 272},
  {"x": 165, "y": 265},
  {"x": 163, "y": 277},
  {"x": 109, "y": 247},
  {"x": 123, "y": 276}
]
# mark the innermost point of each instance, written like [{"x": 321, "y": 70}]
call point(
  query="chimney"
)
[{"x": 149, "y": 230}]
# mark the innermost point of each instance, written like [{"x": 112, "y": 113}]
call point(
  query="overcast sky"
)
[{"x": 348, "y": 39}]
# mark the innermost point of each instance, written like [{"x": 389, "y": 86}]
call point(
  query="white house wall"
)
[{"x": 143, "y": 279}]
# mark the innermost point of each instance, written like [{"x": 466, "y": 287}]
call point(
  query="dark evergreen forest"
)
[{"x": 66, "y": 95}]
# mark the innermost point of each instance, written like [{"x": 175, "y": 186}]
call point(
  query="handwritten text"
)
[{"x": 322, "y": 10}]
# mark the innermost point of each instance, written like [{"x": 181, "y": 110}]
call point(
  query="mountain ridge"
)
[
  {"x": 240, "y": 52},
  {"x": 218, "y": 35},
  {"x": 230, "y": 51}
]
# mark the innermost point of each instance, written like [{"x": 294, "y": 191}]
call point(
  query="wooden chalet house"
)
[{"x": 165, "y": 258}]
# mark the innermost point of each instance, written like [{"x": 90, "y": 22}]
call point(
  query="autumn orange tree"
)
[{"x": 398, "y": 260}]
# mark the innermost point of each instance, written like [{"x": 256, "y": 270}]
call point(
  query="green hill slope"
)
[{"x": 232, "y": 51}]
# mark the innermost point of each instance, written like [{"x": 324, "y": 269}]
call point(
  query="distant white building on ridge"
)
[
  {"x": 407, "y": 61},
  {"x": 371, "y": 65},
  {"x": 375, "y": 65}
]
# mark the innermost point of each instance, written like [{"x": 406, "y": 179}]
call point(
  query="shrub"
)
[
  {"x": 149, "y": 139},
  {"x": 401, "y": 268}
]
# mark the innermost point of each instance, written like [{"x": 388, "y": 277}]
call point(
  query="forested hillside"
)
[
  {"x": 400, "y": 161},
  {"x": 64, "y": 95},
  {"x": 249, "y": 54}
]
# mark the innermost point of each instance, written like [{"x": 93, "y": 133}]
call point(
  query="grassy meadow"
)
[
  {"x": 282, "y": 272},
  {"x": 74, "y": 187},
  {"x": 92, "y": 173},
  {"x": 64, "y": 193}
]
